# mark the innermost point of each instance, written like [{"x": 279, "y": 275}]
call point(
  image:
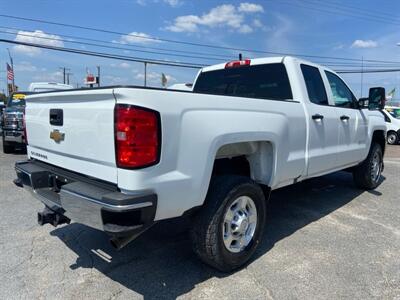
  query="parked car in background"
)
[
  {"x": 120, "y": 159},
  {"x": 38, "y": 87},
  {"x": 392, "y": 119},
  {"x": 13, "y": 122},
  {"x": 2, "y": 107}
]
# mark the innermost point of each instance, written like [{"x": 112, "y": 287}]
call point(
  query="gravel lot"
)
[{"x": 324, "y": 239}]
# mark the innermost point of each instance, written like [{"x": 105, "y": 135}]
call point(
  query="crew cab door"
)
[
  {"x": 323, "y": 124},
  {"x": 352, "y": 122}
]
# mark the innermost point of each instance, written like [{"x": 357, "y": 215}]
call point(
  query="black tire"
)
[
  {"x": 392, "y": 138},
  {"x": 363, "y": 173},
  {"x": 7, "y": 148},
  {"x": 207, "y": 231}
]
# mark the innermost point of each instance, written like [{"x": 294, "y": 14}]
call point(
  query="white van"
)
[
  {"x": 48, "y": 86},
  {"x": 392, "y": 118}
]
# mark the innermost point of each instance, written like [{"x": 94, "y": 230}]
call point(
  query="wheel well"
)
[
  {"x": 392, "y": 131},
  {"x": 251, "y": 159},
  {"x": 380, "y": 138},
  {"x": 238, "y": 165}
]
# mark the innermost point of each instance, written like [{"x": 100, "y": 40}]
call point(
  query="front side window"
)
[
  {"x": 315, "y": 85},
  {"x": 269, "y": 81},
  {"x": 342, "y": 95}
]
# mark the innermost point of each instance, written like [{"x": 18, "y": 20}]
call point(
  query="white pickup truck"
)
[{"x": 120, "y": 159}]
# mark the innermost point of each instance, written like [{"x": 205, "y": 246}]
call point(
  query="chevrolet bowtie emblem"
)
[{"x": 57, "y": 136}]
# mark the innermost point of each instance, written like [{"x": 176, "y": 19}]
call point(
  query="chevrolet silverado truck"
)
[
  {"x": 122, "y": 158},
  {"x": 13, "y": 126}
]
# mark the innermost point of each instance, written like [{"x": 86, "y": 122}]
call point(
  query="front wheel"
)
[
  {"x": 7, "y": 148},
  {"x": 392, "y": 138},
  {"x": 227, "y": 230},
  {"x": 367, "y": 175}
]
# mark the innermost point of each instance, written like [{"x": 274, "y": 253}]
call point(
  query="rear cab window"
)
[{"x": 267, "y": 81}]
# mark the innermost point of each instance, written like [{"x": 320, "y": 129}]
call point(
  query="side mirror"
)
[{"x": 376, "y": 98}]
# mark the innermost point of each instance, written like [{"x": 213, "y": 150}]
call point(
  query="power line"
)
[
  {"x": 114, "y": 47},
  {"x": 16, "y": 31},
  {"x": 107, "y": 55},
  {"x": 158, "y": 62},
  {"x": 336, "y": 12},
  {"x": 189, "y": 43},
  {"x": 367, "y": 71},
  {"x": 356, "y": 9}
]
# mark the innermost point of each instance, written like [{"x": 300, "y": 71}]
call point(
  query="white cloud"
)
[
  {"x": 114, "y": 80},
  {"x": 245, "y": 29},
  {"x": 25, "y": 66},
  {"x": 155, "y": 78},
  {"x": 123, "y": 65},
  {"x": 226, "y": 15},
  {"x": 172, "y": 3},
  {"x": 49, "y": 77},
  {"x": 136, "y": 38},
  {"x": 250, "y": 7},
  {"x": 36, "y": 37},
  {"x": 364, "y": 44}
]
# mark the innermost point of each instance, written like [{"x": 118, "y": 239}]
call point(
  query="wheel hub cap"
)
[
  {"x": 240, "y": 222},
  {"x": 376, "y": 167}
]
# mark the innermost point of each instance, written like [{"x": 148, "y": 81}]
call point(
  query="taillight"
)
[
  {"x": 238, "y": 63},
  {"x": 137, "y": 136},
  {"x": 24, "y": 125}
]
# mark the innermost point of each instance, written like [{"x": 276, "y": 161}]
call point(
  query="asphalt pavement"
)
[{"x": 324, "y": 239}]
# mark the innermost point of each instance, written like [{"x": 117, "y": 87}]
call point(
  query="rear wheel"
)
[
  {"x": 367, "y": 175},
  {"x": 227, "y": 230},
  {"x": 392, "y": 138}
]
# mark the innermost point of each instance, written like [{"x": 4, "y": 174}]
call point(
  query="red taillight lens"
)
[
  {"x": 238, "y": 63},
  {"x": 24, "y": 124},
  {"x": 137, "y": 136}
]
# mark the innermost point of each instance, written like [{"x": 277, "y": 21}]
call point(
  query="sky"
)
[{"x": 367, "y": 30}]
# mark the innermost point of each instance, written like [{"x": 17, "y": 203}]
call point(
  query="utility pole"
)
[
  {"x": 362, "y": 75},
  {"x": 12, "y": 67},
  {"x": 145, "y": 73},
  {"x": 68, "y": 74},
  {"x": 64, "y": 70},
  {"x": 98, "y": 76}
]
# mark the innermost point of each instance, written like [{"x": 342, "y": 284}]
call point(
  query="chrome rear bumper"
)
[{"x": 88, "y": 201}]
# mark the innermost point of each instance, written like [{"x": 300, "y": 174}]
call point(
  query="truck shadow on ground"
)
[{"x": 160, "y": 264}]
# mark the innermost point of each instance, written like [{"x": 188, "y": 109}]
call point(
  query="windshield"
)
[
  {"x": 17, "y": 99},
  {"x": 269, "y": 81},
  {"x": 395, "y": 112}
]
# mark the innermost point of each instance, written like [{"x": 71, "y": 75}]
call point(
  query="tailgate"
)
[{"x": 83, "y": 141}]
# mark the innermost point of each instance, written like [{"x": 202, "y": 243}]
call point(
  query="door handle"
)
[
  {"x": 317, "y": 117},
  {"x": 344, "y": 118}
]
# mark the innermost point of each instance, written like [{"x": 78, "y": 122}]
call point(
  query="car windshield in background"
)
[
  {"x": 395, "y": 112},
  {"x": 269, "y": 81},
  {"x": 17, "y": 99}
]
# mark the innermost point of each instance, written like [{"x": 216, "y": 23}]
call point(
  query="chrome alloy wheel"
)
[
  {"x": 391, "y": 139},
  {"x": 240, "y": 222},
  {"x": 376, "y": 168}
]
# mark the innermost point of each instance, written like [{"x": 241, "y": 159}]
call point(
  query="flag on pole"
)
[
  {"x": 164, "y": 80},
  {"x": 10, "y": 73},
  {"x": 390, "y": 95}
]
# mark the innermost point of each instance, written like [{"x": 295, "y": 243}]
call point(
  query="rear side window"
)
[
  {"x": 315, "y": 86},
  {"x": 269, "y": 81}
]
